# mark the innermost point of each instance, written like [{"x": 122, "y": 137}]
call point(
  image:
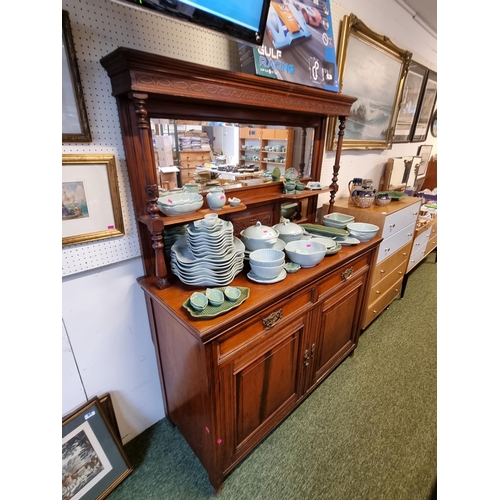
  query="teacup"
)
[{"x": 210, "y": 219}]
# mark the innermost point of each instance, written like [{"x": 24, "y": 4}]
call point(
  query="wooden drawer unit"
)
[
  {"x": 382, "y": 303},
  {"x": 424, "y": 242},
  {"x": 396, "y": 223}
]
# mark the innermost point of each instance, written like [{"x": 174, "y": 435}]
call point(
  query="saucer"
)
[{"x": 281, "y": 276}]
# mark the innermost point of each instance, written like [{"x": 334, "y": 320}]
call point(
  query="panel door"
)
[
  {"x": 258, "y": 389},
  {"x": 337, "y": 327}
]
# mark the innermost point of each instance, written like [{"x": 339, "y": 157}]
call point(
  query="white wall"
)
[{"x": 106, "y": 340}]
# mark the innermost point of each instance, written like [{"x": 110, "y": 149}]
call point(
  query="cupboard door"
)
[
  {"x": 337, "y": 324},
  {"x": 259, "y": 388}
]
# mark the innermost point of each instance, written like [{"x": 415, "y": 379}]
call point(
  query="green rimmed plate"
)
[
  {"x": 212, "y": 311},
  {"x": 393, "y": 195}
]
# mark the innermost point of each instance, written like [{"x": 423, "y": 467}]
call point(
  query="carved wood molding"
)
[
  {"x": 131, "y": 69},
  {"x": 183, "y": 87}
]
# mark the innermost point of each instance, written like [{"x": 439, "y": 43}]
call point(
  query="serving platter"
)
[{"x": 212, "y": 311}]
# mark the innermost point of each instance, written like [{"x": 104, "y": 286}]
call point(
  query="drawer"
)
[
  {"x": 400, "y": 219},
  {"x": 195, "y": 156},
  {"x": 386, "y": 266},
  {"x": 190, "y": 164},
  {"x": 379, "y": 288},
  {"x": 431, "y": 245},
  {"x": 188, "y": 173},
  {"x": 263, "y": 324},
  {"x": 393, "y": 243},
  {"x": 415, "y": 258},
  {"x": 377, "y": 307},
  {"x": 421, "y": 241},
  {"x": 343, "y": 275}
]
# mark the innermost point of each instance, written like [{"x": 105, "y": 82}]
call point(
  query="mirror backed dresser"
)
[{"x": 228, "y": 381}]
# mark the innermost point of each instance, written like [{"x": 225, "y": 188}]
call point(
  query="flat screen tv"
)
[{"x": 242, "y": 20}]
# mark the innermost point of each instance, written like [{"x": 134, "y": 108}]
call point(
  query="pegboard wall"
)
[{"x": 99, "y": 27}]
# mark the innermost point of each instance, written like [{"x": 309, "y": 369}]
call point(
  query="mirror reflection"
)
[
  {"x": 198, "y": 155},
  {"x": 402, "y": 173}
]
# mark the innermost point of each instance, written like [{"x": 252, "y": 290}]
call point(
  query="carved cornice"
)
[{"x": 132, "y": 70}]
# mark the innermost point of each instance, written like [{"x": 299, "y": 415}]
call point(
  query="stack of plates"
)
[
  {"x": 170, "y": 236},
  {"x": 208, "y": 256}
]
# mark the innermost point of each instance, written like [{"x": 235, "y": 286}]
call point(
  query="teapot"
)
[{"x": 216, "y": 198}]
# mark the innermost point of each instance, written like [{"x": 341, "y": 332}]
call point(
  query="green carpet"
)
[{"x": 368, "y": 432}]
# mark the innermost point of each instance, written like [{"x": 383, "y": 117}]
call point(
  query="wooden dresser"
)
[
  {"x": 397, "y": 226},
  {"x": 424, "y": 242},
  {"x": 228, "y": 381},
  {"x": 189, "y": 160}
]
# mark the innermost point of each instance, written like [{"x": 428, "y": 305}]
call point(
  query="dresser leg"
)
[{"x": 403, "y": 285}]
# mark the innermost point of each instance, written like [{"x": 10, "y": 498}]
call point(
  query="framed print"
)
[
  {"x": 374, "y": 70},
  {"x": 91, "y": 208},
  {"x": 424, "y": 152},
  {"x": 414, "y": 84},
  {"x": 93, "y": 460},
  {"x": 425, "y": 108},
  {"x": 75, "y": 123}
]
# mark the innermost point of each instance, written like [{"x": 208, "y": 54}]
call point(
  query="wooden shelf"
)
[{"x": 186, "y": 218}]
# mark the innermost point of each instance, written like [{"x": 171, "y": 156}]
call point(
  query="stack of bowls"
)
[
  {"x": 267, "y": 263},
  {"x": 337, "y": 219},
  {"x": 362, "y": 230},
  {"x": 209, "y": 254},
  {"x": 170, "y": 236},
  {"x": 179, "y": 203}
]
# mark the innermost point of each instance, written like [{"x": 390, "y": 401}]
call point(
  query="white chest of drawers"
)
[{"x": 397, "y": 226}]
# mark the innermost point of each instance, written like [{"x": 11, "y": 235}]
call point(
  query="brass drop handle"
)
[
  {"x": 312, "y": 350},
  {"x": 306, "y": 358},
  {"x": 347, "y": 273},
  {"x": 272, "y": 319}
]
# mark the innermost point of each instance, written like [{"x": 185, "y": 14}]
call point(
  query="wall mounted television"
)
[{"x": 244, "y": 21}]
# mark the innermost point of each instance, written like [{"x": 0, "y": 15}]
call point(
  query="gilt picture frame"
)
[
  {"x": 414, "y": 84},
  {"x": 373, "y": 69},
  {"x": 94, "y": 462},
  {"x": 425, "y": 109},
  {"x": 91, "y": 207},
  {"x": 75, "y": 122}
]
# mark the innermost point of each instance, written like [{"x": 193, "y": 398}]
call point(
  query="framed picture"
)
[
  {"x": 425, "y": 108},
  {"x": 424, "y": 152},
  {"x": 75, "y": 123},
  {"x": 91, "y": 208},
  {"x": 412, "y": 91},
  {"x": 374, "y": 70},
  {"x": 93, "y": 460},
  {"x": 109, "y": 412}
]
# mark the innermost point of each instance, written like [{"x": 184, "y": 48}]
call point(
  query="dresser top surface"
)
[{"x": 394, "y": 206}]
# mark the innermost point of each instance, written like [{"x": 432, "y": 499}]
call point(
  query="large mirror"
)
[
  {"x": 206, "y": 153},
  {"x": 401, "y": 173}
]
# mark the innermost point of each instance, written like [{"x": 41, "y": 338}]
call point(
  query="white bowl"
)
[
  {"x": 215, "y": 297},
  {"x": 307, "y": 253},
  {"x": 198, "y": 301},
  {"x": 267, "y": 272},
  {"x": 267, "y": 257},
  {"x": 362, "y": 230},
  {"x": 232, "y": 293}
]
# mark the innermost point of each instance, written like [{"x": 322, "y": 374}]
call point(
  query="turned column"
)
[{"x": 334, "y": 187}]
